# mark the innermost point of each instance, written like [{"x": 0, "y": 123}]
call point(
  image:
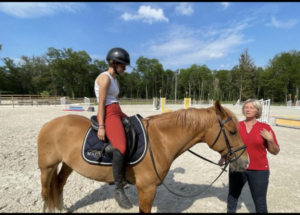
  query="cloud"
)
[
  {"x": 225, "y": 4},
  {"x": 222, "y": 66},
  {"x": 185, "y": 46},
  {"x": 279, "y": 24},
  {"x": 146, "y": 14},
  {"x": 34, "y": 10},
  {"x": 184, "y": 9}
]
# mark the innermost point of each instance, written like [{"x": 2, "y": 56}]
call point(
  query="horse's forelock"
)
[{"x": 230, "y": 113}]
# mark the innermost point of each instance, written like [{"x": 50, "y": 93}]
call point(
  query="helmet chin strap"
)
[{"x": 115, "y": 69}]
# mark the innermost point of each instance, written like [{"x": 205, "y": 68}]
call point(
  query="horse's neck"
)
[{"x": 171, "y": 139}]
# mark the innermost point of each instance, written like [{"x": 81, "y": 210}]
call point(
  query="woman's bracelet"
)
[{"x": 101, "y": 124}]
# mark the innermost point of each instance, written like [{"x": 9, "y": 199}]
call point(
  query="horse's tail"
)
[{"x": 53, "y": 197}]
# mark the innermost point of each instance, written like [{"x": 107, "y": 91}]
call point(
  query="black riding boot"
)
[{"x": 119, "y": 163}]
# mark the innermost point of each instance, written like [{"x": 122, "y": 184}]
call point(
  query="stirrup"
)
[{"x": 125, "y": 184}]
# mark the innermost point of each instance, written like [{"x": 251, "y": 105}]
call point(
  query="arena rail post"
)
[
  {"x": 163, "y": 104},
  {"x": 265, "y": 110},
  {"x": 63, "y": 103},
  {"x": 187, "y": 103},
  {"x": 297, "y": 105},
  {"x": 86, "y": 103},
  {"x": 155, "y": 103},
  {"x": 237, "y": 103}
]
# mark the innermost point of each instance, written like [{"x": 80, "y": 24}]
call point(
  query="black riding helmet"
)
[{"x": 119, "y": 55}]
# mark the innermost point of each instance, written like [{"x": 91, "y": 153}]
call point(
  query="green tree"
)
[
  {"x": 284, "y": 75},
  {"x": 13, "y": 76},
  {"x": 151, "y": 72},
  {"x": 36, "y": 74},
  {"x": 72, "y": 70},
  {"x": 258, "y": 74},
  {"x": 223, "y": 78},
  {"x": 4, "y": 80},
  {"x": 245, "y": 75}
]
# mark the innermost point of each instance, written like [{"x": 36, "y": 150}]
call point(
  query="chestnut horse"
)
[{"x": 170, "y": 135}]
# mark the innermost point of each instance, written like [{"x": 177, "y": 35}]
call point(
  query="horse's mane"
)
[
  {"x": 192, "y": 117},
  {"x": 188, "y": 118}
]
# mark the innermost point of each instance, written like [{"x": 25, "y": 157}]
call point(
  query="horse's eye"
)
[{"x": 232, "y": 132}]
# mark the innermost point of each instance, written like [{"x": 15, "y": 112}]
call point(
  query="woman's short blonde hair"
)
[{"x": 256, "y": 104}]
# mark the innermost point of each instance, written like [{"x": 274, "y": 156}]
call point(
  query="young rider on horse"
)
[{"x": 109, "y": 117}]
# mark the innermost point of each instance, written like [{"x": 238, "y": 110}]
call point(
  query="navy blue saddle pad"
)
[{"x": 92, "y": 145}]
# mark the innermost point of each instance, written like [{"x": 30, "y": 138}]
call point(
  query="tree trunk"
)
[
  {"x": 73, "y": 94},
  {"x": 241, "y": 91},
  {"x": 258, "y": 89},
  {"x": 201, "y": 97},
  {"x": 199, "y": 91}
]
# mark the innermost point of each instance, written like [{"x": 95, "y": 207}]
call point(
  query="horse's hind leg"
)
[
  {"x": 52, "y": 186},
  {"x": 62, "y": 179},
  {"x": 46, "y": 178}
]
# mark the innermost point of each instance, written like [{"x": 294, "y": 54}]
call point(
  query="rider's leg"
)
[{"x": 116, "y": 135}]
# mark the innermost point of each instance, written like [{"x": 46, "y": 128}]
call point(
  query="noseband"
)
[{"x": 230, "y": 151}]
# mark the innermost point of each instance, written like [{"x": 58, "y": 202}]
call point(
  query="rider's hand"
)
[
  {"x": 101, "y": 134},
  {"x": 221, "y": 162}
]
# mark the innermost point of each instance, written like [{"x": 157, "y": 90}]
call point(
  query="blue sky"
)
[{"x": 177, "y": 34}]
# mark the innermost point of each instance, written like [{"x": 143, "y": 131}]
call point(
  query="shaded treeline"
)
[{"x": 72, "y": 73}]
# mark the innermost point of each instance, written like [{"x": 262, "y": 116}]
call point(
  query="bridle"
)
[
  {"x": 230, "y": 152},
  {"x": 228, "y": 155}
]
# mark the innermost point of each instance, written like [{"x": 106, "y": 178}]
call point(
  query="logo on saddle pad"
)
[
  {"x": 94, "y": 151},
  {"x": 95, "y": 154}
]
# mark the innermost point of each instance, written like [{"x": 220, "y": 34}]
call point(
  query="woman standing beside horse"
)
[
  {"x": 258, "y": 137},
  {"x": 109, "y": 117}
]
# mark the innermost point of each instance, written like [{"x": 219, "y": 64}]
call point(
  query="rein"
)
[
  {"x": 204, "y": 158},
  {"x": 230, "y": 152}
]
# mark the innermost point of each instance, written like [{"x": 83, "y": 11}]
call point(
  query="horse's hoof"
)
[{"x": 64, "y": 210}]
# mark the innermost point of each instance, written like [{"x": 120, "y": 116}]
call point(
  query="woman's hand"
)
[
  {"x": 101, "y": 134},
  {"x": 272, "y": 147},
  {"x": 267, "y": 135}
]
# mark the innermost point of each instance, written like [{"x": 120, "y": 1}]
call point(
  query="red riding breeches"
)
[{"x": 114, "y": 128}]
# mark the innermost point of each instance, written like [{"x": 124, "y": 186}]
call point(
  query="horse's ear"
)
[{"x": 219, "y": 109}]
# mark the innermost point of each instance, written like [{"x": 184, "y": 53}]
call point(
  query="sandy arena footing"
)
[{"x": 20, "y": 176}]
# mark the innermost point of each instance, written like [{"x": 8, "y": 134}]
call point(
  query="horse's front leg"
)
[{"x": 146, "y": 197}]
